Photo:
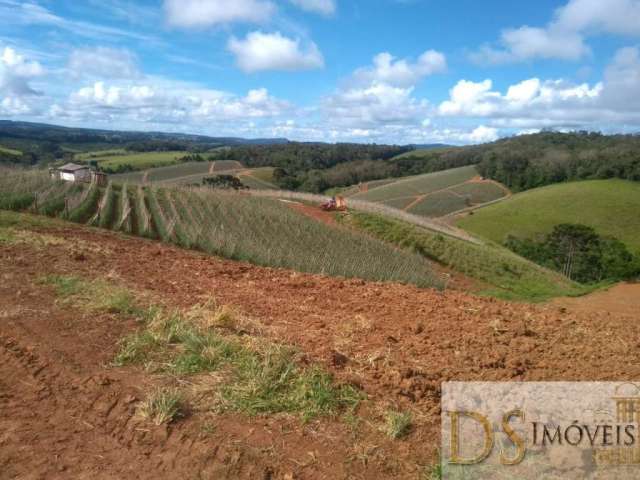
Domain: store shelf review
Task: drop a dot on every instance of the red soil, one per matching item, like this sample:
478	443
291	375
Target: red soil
66	414
314	212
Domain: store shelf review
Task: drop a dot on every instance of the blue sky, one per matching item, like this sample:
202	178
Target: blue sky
396	71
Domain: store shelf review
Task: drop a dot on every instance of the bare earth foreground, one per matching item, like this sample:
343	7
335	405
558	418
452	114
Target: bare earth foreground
65	412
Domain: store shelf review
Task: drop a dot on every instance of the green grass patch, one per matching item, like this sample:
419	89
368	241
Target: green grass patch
162	406
93	295
398	424
609	206
10	151
259	377
139	161
99	154
509	276
9	219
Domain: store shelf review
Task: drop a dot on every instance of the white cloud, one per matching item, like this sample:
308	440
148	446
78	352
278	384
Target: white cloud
377	104
16	71
564	37
481	134
103	62
273	51
324	7
536	103
620	17
14	106
531	99
401	72
205	13
161	101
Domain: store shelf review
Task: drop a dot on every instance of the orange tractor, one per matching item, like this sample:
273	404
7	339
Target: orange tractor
336	204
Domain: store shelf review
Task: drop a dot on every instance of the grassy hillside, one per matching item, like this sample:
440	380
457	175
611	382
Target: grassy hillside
10	151
99	154
258	230
140	161
611	207
259	178
506	274
187	172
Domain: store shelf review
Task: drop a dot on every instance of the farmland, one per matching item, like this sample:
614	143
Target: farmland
258	230
187	172
112	160
258	178
609	206
99	154
226	165
433	194
191	173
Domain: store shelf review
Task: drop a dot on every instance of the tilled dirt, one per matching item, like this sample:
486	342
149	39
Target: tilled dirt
65	413
621	299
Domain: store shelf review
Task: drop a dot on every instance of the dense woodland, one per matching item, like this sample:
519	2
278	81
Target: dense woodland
535	160
579	253
302	166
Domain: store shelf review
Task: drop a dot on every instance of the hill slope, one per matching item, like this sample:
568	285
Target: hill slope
502	273
432	194
611	207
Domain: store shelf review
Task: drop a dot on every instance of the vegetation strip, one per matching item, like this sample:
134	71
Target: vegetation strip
257	377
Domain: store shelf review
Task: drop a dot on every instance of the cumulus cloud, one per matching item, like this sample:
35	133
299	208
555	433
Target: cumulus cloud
16	72
564	37
260	51
324	7
205	13
162	102
377	104
536	103
531	99
401	72
103	62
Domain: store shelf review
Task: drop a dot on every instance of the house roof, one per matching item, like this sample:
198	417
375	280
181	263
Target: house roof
72	167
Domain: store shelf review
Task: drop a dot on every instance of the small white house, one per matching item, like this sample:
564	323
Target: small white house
72	172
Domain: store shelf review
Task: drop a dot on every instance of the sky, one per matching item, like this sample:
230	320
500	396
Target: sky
383	71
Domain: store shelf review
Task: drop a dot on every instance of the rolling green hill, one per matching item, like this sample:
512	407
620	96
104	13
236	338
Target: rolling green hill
611	207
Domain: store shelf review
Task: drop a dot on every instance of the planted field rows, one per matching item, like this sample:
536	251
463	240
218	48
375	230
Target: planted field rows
433	195
193	171
419	185
263	231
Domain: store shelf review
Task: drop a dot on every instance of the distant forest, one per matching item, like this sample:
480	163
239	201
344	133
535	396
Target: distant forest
521	163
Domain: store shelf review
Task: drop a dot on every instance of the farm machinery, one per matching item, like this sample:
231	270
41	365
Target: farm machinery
336	204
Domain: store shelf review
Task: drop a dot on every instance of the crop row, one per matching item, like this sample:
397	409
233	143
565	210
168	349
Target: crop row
263	231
